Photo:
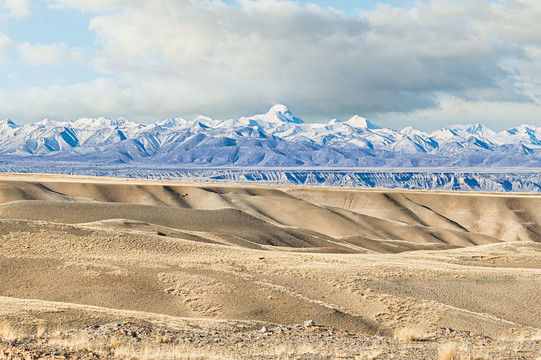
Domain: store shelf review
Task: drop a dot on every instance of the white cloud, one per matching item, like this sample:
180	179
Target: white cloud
178	57
99	97
15	8
5	43
515	21
50	54
497	115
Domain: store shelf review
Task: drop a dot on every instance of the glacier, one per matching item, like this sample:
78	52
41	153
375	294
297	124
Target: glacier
279	148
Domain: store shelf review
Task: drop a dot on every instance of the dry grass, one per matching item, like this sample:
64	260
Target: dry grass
41	330
449	352
120	348
150	351
166	351
452	351
161	348
409	334
286	351
10	332
78	342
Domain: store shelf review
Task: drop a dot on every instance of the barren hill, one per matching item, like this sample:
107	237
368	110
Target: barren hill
370	262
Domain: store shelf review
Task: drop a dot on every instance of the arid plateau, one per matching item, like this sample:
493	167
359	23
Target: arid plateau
120	269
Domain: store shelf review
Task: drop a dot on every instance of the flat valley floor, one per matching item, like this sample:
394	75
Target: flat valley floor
103	268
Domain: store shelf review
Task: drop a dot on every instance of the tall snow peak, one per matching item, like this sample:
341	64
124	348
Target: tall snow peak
280	113
281	108
478	129
360	122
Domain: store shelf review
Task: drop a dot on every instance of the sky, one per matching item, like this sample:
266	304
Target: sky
427	64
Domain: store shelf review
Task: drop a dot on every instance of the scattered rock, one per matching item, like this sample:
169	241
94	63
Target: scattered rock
251	343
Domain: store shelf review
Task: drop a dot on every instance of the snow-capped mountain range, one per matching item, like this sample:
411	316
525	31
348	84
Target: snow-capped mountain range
276	139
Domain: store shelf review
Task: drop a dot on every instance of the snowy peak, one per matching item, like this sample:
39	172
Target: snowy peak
278	108
280	113
360	122
445	134
475	130
409	130
479	129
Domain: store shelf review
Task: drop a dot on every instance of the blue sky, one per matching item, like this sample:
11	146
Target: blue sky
397	62
46	26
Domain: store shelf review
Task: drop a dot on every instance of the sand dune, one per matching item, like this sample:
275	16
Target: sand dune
367	261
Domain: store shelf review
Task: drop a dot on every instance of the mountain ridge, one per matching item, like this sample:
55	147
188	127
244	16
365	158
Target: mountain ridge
274	139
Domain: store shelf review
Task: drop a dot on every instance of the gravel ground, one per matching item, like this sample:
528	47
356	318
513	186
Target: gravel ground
132	341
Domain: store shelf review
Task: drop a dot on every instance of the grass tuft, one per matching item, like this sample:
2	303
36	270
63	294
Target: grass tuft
41	331
409	334
8	332
451	351
448	352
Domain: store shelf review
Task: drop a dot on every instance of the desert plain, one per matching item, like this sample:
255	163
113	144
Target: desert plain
140	269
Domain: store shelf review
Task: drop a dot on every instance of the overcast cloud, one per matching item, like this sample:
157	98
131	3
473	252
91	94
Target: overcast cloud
430	65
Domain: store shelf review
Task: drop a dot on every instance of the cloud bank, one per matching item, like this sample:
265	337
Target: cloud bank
421	66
